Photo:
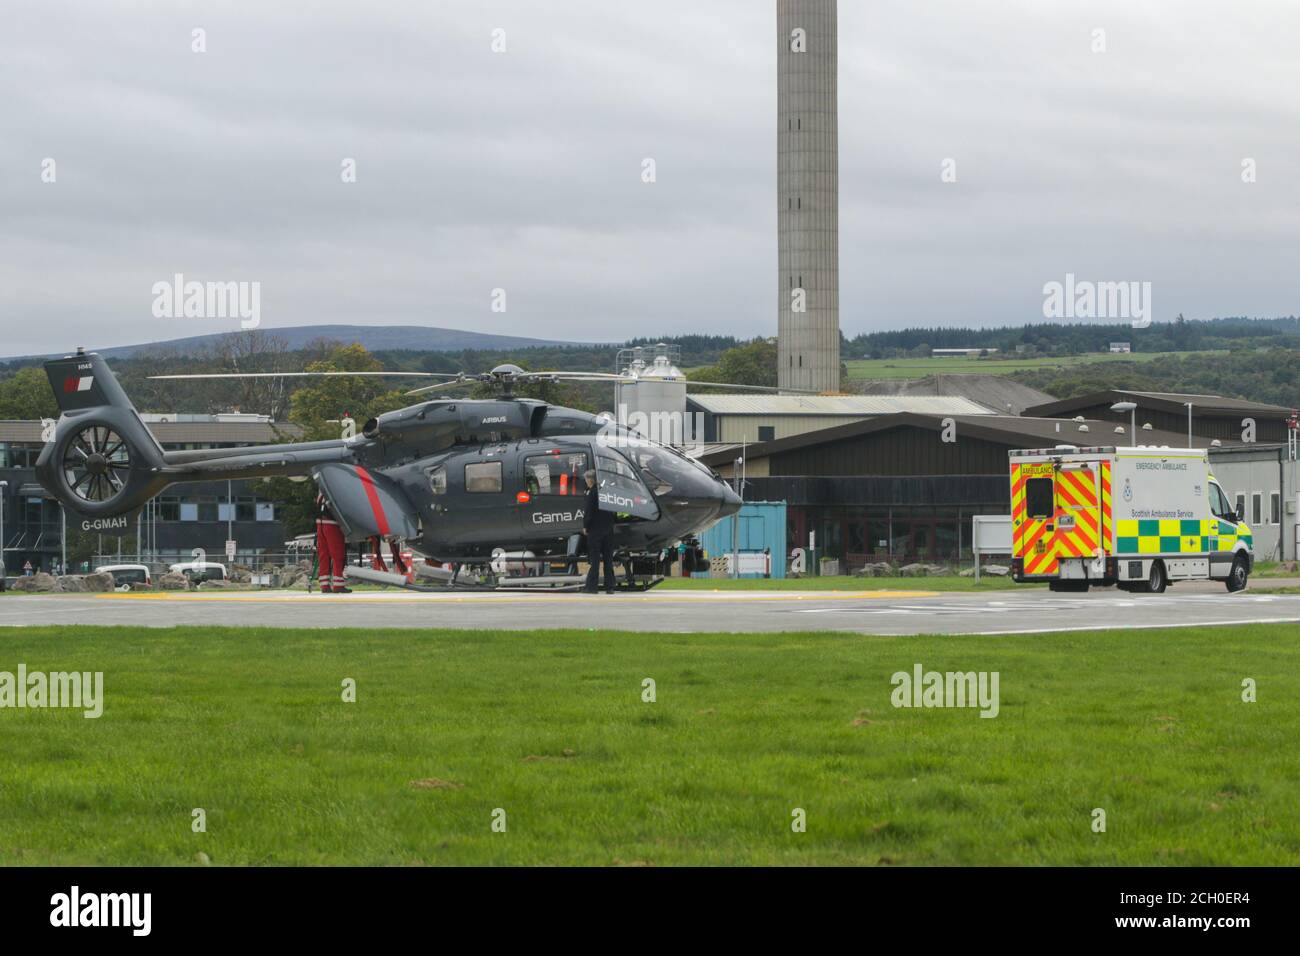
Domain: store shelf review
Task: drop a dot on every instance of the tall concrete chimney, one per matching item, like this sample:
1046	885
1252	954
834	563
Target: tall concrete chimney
808	195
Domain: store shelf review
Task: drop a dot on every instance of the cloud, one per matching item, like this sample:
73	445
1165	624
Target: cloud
521	170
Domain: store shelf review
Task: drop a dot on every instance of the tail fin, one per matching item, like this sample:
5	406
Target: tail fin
84	381
103	463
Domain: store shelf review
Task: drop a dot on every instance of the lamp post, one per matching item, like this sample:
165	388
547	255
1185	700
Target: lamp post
1130	407
3	486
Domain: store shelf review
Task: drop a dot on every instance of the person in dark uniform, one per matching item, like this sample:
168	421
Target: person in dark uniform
598	526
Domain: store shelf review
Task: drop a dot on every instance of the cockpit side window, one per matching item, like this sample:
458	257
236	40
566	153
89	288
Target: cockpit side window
616	466
555	474
656	467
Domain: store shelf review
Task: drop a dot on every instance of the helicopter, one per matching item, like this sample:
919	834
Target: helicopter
492	490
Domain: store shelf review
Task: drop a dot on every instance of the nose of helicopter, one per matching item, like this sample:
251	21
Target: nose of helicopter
730	501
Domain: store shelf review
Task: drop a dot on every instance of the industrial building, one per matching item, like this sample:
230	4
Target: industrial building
202	515
1261	481
903	487
739	419
1211	416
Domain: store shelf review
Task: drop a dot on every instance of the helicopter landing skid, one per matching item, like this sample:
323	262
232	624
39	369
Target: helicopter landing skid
519	585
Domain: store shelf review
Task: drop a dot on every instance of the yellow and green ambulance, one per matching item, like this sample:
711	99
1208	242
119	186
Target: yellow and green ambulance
1139	518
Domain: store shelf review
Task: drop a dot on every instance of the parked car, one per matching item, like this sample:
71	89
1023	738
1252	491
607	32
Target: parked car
200	571
124	575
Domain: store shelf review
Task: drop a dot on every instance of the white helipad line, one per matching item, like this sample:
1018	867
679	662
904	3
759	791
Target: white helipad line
1128	627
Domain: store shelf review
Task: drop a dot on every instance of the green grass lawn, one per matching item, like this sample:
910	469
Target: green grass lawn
844	582
920	367
550	726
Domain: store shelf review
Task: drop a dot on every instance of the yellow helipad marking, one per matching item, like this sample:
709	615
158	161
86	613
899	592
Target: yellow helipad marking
380	597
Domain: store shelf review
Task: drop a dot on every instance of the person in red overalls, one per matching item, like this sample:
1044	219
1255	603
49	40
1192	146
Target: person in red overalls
330	550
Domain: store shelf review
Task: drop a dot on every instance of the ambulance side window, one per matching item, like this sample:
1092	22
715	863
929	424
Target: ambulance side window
1218	503
1038	498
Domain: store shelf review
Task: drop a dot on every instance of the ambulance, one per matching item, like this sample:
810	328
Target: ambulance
1138	518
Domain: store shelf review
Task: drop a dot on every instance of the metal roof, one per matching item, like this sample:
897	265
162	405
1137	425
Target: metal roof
997	393
836	404
1013	431
1169	401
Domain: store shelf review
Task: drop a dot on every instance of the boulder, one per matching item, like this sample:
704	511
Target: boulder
995	570
40	581
140	586
914	570
239	575
174	581
72	583
99	581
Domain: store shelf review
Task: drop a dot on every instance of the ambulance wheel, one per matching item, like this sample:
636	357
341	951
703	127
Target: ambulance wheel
1237	576
1156	581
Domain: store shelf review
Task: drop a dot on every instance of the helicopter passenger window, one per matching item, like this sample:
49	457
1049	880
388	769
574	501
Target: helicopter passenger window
483	477
555	474
438	480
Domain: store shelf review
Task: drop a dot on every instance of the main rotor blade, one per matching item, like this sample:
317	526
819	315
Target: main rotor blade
307	375
442	385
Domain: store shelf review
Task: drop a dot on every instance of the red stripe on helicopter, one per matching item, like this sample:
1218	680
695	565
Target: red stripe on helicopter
372	495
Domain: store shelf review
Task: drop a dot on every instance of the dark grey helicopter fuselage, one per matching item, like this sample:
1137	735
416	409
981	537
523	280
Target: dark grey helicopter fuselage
454	479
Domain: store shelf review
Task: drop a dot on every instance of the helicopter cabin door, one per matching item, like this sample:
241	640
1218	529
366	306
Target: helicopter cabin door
479	500
551	492
621	491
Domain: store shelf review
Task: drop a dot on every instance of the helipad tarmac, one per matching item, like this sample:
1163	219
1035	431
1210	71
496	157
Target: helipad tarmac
891	612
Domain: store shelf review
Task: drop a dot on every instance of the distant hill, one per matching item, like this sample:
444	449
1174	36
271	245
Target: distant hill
415	338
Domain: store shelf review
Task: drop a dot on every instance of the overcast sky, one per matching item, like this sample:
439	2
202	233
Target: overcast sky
522	170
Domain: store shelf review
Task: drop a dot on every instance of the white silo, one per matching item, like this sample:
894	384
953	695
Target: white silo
651	399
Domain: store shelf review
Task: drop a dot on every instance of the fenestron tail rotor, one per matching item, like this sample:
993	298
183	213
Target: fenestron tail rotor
96	463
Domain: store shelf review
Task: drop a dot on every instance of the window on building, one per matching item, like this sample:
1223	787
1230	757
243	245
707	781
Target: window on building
1240	507
245	510
1275	508
169	509
483	477
265	511
225	511
208	509
766	432
189	509
1256	508
555	474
